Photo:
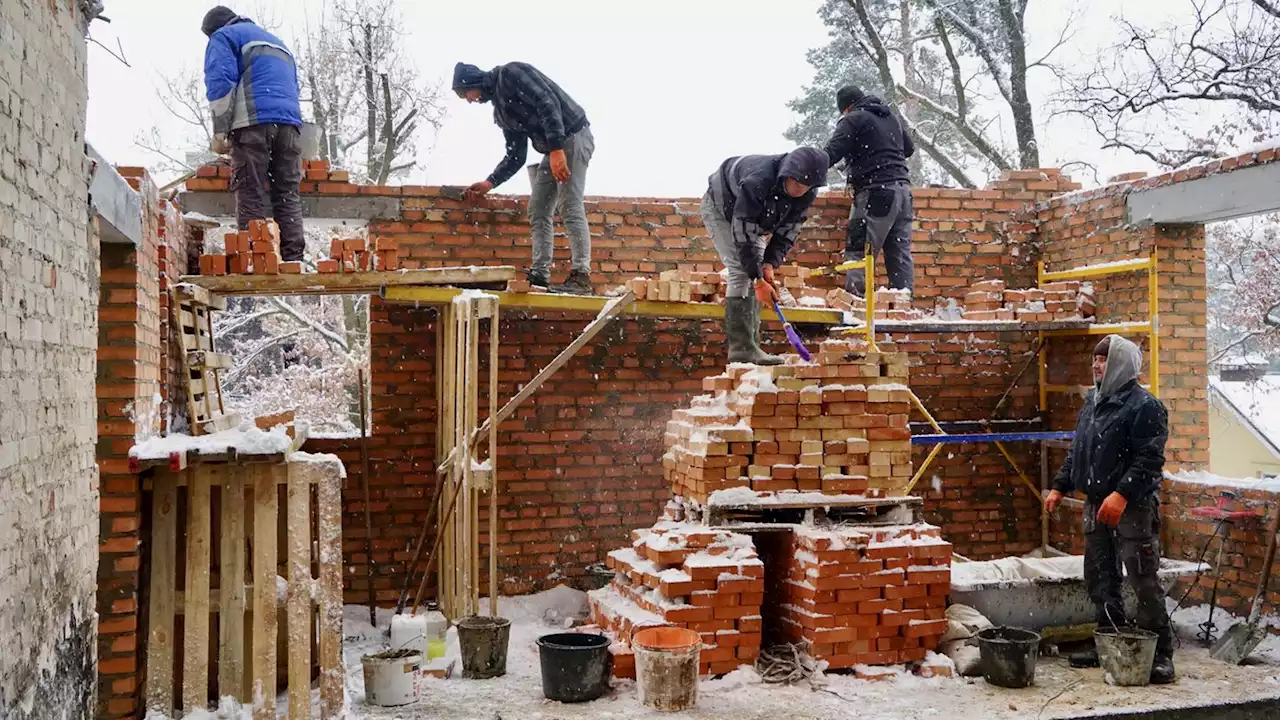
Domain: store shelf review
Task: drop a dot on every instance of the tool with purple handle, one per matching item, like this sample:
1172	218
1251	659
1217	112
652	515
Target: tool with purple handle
792	336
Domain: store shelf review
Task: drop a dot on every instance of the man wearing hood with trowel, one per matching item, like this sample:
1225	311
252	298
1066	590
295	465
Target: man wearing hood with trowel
753	210
1117	461
875	145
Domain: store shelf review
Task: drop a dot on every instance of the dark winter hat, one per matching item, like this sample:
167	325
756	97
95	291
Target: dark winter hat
467	76
847	96
1103	347
806	165
216	19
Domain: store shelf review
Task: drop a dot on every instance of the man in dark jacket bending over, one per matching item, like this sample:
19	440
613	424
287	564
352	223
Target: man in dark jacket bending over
1117	461
873	142
251	82
750	199
529	106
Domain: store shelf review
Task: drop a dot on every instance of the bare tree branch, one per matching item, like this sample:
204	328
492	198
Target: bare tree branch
1268	8
974	137
319	329
242	366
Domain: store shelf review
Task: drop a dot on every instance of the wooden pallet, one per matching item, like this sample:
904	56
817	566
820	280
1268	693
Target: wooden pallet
256	538
193	309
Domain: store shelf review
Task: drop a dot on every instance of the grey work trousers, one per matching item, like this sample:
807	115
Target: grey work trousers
739	284
1132	550
881	217
548	194
266	169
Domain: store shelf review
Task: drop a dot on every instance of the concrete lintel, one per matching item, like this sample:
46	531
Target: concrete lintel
1225	196
373	207
116	204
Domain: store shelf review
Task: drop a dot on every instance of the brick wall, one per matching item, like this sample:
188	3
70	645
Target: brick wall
49	289
129	381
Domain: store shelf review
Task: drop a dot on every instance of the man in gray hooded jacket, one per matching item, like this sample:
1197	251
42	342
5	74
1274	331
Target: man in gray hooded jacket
1117	461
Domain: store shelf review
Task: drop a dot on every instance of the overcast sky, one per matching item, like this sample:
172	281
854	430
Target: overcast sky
672	87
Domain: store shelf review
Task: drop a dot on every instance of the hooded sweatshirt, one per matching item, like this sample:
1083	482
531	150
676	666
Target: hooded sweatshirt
528	106
749	192
873	142
1120	434
250	77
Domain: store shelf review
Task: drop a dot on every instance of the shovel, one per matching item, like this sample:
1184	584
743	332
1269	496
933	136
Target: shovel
792	336
1240	639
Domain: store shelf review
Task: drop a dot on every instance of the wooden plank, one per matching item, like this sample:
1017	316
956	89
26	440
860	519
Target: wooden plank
299	607
349	283
265	508
493	465
220	422
195	639
232	591
161	604
607	314
329	524
447	430
472	390
199	296
209	360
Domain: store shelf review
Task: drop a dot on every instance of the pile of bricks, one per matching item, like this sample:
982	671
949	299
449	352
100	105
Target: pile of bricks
216	177
687	283
256	251
865	595
709	581
1068	300
891	304
359	255
319	171
839	426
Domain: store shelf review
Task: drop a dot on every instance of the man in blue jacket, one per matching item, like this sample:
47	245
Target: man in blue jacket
1117	461
251	82
531	107
875	146
753	210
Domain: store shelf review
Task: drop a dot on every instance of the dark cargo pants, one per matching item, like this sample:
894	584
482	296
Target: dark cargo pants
266	169
882	218
1134	547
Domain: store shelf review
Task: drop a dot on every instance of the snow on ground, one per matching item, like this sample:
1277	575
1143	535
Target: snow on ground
1059	692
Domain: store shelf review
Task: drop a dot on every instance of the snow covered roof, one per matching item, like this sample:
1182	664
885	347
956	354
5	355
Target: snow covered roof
1250	360
1255	403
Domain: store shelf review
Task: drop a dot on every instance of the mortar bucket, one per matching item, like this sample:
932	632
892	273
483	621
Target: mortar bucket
575	666
667	667
1126	655
1009	656
483	641
392	678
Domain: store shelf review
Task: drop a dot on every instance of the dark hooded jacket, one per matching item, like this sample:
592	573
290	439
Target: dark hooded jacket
1120	434
873	141
528	106
749	193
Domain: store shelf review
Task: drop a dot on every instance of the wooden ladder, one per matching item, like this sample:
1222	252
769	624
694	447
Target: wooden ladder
193	309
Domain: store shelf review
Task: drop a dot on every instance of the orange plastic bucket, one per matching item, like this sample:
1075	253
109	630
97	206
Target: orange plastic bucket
667	667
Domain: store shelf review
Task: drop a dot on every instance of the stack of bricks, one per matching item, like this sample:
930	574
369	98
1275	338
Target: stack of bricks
214	177
891	304
358	255
317	176
317	171
839	426
1068	300
687	283
256	251
709	581
864	595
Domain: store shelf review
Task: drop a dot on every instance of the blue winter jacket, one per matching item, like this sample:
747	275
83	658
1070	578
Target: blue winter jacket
250	78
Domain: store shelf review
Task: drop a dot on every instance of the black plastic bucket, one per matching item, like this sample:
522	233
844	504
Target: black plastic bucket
483	641
575	666
1009	656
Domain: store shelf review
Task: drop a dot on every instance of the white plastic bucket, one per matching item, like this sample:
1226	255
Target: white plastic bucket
409	632
392	678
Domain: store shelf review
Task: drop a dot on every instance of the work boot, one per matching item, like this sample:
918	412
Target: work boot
741	323
578	283
1084	658
537	278
1162	670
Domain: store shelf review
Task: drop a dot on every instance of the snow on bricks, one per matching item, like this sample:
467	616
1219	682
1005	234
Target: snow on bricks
836	427
709	581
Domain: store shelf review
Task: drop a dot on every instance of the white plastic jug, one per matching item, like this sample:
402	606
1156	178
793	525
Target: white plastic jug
437	626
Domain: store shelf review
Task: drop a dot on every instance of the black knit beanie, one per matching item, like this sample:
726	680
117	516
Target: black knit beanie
216	19
847	96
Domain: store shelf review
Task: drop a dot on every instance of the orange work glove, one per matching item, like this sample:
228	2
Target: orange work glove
766	293
478	190
1051	501
767	271
1111	510
559	166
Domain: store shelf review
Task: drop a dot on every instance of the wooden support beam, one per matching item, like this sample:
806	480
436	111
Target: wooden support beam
231	591
610	311
298	618
162	603
265	509
364	283
329	527
195	663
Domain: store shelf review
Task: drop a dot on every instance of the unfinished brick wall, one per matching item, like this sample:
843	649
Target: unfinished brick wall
49	286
